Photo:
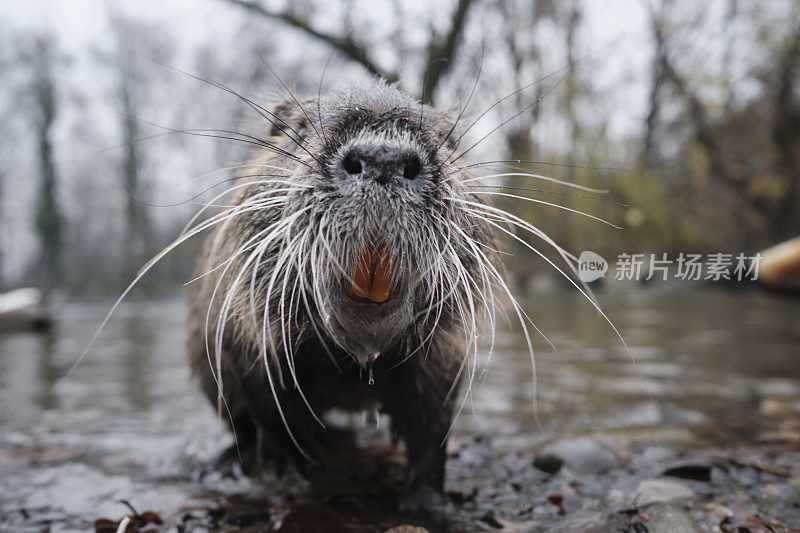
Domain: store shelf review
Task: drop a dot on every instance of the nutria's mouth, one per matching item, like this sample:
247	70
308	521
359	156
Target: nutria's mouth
373	307
371	276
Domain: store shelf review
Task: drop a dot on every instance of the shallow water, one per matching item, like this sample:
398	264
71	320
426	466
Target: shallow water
130	424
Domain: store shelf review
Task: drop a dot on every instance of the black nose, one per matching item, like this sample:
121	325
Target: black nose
382	163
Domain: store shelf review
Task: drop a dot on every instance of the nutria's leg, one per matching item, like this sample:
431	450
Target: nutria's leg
272	440
414	397
233	412
243	449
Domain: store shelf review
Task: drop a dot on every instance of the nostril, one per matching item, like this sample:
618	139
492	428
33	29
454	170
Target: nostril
351	164
412	168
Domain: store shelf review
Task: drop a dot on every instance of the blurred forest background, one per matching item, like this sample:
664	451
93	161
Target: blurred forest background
696	103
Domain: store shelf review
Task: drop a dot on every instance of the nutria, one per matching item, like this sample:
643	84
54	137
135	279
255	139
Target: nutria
351	271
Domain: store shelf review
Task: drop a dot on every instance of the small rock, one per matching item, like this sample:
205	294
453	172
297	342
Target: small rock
557	499
405	528
661	490
668	518
491	520
548	463
690	471
582	456
462	496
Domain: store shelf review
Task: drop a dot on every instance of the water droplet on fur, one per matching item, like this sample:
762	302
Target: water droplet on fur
371	418
371	379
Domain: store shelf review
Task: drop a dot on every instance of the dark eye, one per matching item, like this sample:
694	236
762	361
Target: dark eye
412	168
351	164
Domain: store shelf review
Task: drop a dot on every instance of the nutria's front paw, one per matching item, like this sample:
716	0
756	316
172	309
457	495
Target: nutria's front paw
226	462
283	452
420	497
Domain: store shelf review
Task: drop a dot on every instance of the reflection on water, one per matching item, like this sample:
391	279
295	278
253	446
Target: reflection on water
141	345
703	350
701	354
132	409
138	361
48	373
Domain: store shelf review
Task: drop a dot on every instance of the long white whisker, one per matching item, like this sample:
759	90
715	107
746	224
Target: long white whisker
537	201
532	175
591	300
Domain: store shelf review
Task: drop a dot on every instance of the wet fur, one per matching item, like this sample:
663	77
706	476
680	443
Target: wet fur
261	328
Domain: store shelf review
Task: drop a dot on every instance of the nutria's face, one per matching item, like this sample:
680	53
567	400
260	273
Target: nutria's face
379	193
384	184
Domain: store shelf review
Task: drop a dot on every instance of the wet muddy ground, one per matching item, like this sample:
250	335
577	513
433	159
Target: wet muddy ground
713	444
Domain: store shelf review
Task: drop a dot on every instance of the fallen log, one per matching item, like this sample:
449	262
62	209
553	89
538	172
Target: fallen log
24	309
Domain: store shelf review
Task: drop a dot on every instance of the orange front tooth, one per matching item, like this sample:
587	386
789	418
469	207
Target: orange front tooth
362	274
381	279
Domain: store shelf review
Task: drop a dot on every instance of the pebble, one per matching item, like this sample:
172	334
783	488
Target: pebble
668	518
661	490
582	456
405	528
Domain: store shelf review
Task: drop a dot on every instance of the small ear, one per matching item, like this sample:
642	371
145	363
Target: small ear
285	118
281	118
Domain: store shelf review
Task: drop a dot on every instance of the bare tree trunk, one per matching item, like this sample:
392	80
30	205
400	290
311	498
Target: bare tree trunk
786	134
49	222
656	83
138	225
2	270
135	40
441	52
570	94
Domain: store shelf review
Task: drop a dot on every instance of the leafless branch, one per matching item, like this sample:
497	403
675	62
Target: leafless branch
346	45
440	50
